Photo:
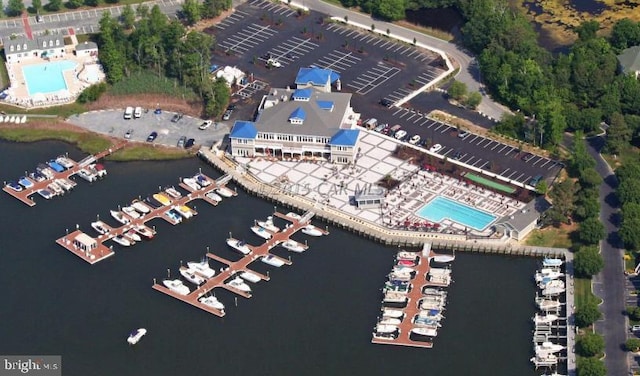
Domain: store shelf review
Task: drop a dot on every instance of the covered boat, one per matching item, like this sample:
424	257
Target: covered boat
239	246
272	260
136	335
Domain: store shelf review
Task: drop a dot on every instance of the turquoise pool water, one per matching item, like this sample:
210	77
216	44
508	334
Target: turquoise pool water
46	78
441	208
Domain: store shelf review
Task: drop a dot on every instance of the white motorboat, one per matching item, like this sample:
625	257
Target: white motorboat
388	336
225	191
404	255
185	211
431	304
551	262
395	297
403	269
434	291
100	227
382	328
272	260
120	217
261	232
132	236
176	286
239	246
66	184
202	268
251	277
86	175
191	183
202	180
65	162
131	212
294	216
55	188
548	304
544	319
394	313
294	246
424	331
554	283
312	230
97	169
140	207
553	291
443	259
400	277
213	196
144	231
389	321
544	360
45	193
268	225
136	335
212	302
548	348
439	271
191	275
444	280
548	274
171	191
121	240
239	284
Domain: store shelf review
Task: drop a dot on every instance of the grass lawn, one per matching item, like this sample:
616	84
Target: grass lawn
550	237
583	292
148	153
628	154
88	142
146	82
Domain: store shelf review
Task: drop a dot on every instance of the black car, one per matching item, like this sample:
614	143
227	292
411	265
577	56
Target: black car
152	136
457	155
190	142
386	102
231	107
176	118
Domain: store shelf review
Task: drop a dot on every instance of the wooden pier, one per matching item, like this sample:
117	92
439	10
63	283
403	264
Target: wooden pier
235	267
25	194
93	249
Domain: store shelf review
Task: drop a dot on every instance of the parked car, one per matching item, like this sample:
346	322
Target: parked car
205	125
457	155
435	148
380	127
190	142
128	134
273	63
635	328
227	115
535	180
152	136
157	111
176	118
386	102
463	133
231	107
181	141
414	139
399	135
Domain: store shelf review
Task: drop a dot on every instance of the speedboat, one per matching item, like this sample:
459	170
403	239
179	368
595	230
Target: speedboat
312	230
140	207
152	202
405	288
144	231
550	262
66	184
389	321
424	332
261	232
131	212
544	319
444	280
400	277
86	175
553	290
202	180
404	255
272	260
212	302
547	304
430	322
36	176
191	276
100	227
403	269
98	170
439	271
164	200
177	286
132	235
45	170
121	240
268	225
427	304
25	182
225	191
443	259
407	263
191	183
395	297
65	162
382	328
239	246
548	347
548	274
57	167
15	186
251	277
551	283
239	284
435	314
434	291
55	188
293	246
213	196
201	268
120	217
395	313
171	191
184	211
544	359
293	216
136	335
173	215
45	193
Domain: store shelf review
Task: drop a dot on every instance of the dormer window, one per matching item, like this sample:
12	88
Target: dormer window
11	48
44	43
50	43
57	42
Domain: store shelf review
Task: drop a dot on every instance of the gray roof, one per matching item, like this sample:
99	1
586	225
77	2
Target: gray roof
317	122
629	60
524	217
43	42
86	46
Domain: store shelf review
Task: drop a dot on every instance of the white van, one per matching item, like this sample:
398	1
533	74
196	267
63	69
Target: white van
137	113
128	113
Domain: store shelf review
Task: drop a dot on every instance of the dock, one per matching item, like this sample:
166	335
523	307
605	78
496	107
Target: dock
25	194
235	267
92	249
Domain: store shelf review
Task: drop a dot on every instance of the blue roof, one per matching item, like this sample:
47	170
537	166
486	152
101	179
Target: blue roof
325	105
334	76
298	113
302	94
315	76
243	129
345	137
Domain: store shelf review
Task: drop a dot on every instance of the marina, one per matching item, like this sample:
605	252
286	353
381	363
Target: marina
233	275
93	250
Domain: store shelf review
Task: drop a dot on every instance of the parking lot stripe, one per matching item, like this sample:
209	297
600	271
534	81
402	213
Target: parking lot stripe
445	129
477	162
503	147
471	140
545	163
399	110
552	165
519	177
438	127
497	144
510	150
468	161
538	160
504	172
511	174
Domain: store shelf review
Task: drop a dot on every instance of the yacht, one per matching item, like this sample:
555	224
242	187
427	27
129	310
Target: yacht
66	184
431	304
136	335
407	263
144	231
294	246
268	225
131	212
202	268
132	235
164	200
57	167
251	277
429	322
202	180
553	290
239	246
191	183
548	347
382	328
191	276
548	274
434	291
239	284
544	360
272	260
312	230
293	216
176	286
404	255
171	191
15	186
551	283
121	240
439	271
547	304
213	196
45	193
225	191
544	319
551	262
424	332
55	188
100	227
65	162
389	321
45	170
443	259
120	217
140	207
25	182
400	277
264	234
403	269
184	211
86	175
212	302
390	312
98	170
37	176
395	297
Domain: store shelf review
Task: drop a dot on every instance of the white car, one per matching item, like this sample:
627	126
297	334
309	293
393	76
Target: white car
205	125
274	63
399	135
414	140
435	148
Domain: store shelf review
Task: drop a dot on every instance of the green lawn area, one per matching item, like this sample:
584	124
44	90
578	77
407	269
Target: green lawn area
147	153
583	292
489	183
145	82
549	237
88	142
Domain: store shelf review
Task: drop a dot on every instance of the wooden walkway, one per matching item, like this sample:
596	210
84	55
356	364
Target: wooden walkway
235	267
25	194
100	251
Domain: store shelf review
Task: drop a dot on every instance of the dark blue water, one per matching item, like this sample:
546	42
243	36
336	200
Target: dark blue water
313	318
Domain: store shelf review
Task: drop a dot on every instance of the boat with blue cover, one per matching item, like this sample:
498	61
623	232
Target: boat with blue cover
15	186
57	167
25	182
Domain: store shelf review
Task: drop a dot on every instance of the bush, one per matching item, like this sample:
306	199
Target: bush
590	344
587	313
591	367
632	344
634	313
92	93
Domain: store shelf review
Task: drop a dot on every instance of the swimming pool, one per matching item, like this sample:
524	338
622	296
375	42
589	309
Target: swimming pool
441	208
46	78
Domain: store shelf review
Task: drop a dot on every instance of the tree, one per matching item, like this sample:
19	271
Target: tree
591	367
590	177
142	10
37	5
618	134
625	33
191	11
562	197
128	17
389	10
73	4
588	261
590	344
591	231
54	5
91	3
632	344
473	100
633	312
15	8
587	30
629	225
587	313
629	191
457	90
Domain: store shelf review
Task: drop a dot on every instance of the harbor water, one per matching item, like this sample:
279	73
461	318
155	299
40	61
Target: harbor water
314	317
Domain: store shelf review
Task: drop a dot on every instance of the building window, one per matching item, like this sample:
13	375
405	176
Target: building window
57	42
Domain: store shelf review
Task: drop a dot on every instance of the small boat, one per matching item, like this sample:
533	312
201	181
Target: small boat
395	297
400	288
400	277
140	207
55	188
15	186
548	348
121	240
407	263
66	184
268	225
389	336
171	191
548	304
544	359
424	332
184	211
294	246
213	196
434	291
132	235
201	268
177	286
65	162
45	193
98	170
544	319
261	232
173	215
293	216
100	227
551	283
431	304
86	175
553	291
239	246
550	262
56	166
212	302
36	176
225	192
25	182
144	231
382	328
430	322
45	170
191	276
435	314
395	313
272	260
152	202
202	180
191	183
404	255
131	212
548	274
403	269
239	284
312	230
443	259
119	216
443	280
136	335
164	200
389	321
251	277
439	271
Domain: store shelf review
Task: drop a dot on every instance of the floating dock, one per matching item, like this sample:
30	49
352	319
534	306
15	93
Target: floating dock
25	194
93	250
236	267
